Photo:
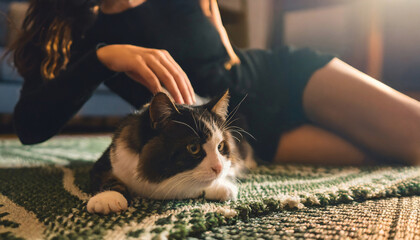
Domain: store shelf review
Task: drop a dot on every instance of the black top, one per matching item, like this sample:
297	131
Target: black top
177	26
180	27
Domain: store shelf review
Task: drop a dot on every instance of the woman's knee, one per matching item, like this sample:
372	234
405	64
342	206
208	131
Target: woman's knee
310	144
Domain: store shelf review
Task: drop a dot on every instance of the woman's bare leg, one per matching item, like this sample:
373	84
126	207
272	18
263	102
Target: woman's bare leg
310	144
365	111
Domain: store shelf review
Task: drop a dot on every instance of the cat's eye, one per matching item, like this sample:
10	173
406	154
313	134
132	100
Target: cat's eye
221	146
194	148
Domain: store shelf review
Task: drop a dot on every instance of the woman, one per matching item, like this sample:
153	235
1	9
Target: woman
301	106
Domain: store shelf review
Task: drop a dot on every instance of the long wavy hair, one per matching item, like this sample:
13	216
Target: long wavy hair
48	30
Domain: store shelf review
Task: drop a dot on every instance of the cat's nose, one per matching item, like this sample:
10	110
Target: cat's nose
217	168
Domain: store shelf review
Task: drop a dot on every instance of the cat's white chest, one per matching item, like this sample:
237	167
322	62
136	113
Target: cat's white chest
124	165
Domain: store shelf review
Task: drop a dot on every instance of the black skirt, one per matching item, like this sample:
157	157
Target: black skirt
273	82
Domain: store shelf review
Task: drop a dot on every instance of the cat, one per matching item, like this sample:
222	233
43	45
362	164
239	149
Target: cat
171	151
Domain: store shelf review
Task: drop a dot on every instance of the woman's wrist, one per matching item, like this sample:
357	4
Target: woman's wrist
101	61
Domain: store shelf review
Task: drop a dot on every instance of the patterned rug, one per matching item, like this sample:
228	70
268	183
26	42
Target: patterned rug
44	190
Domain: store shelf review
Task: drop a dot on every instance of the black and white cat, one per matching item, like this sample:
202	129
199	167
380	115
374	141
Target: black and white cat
170	151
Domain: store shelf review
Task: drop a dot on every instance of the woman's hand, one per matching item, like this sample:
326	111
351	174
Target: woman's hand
150	67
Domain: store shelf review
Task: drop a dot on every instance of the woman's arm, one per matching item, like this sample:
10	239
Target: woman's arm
211	10
44	107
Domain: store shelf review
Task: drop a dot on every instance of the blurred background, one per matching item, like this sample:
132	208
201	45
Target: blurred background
379	37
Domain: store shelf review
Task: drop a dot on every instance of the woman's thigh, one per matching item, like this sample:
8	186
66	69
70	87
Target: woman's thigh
314	145
365	111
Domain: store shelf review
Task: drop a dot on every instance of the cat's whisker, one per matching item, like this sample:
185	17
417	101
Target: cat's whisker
237	139
195	121
235	109
237	133
152	194
207	130
229	123
180	180
225	123
237	180
234	130
241	130
249	134
229	119
230	128
200	123
232	112
168	191
195	132
162	187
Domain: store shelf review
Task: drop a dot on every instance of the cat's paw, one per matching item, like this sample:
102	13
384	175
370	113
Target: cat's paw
107	202
222	192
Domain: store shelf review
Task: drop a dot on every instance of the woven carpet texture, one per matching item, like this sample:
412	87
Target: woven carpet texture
44	191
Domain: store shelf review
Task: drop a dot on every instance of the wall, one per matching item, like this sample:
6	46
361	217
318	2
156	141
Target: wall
379	37
341	29
402	44
257	21
260	16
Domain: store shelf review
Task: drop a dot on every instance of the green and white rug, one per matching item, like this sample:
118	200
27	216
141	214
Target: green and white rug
44	191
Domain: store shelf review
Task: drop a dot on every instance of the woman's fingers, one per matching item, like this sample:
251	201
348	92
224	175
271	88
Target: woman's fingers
181	80
180	71
179	76
145	76
166	78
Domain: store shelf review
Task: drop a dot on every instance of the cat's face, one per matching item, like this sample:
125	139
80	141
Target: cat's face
191	143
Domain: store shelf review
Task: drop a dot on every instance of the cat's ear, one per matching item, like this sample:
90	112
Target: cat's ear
160	109
219	105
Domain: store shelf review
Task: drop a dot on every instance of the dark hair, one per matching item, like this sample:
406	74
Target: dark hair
47	33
